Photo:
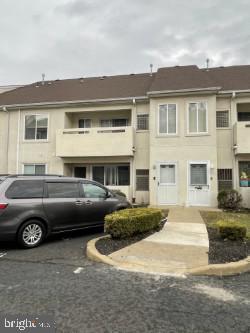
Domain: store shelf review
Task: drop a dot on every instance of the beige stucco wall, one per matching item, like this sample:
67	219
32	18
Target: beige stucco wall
182	147
3	142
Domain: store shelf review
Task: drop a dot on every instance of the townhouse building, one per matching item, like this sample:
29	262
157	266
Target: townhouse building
173	137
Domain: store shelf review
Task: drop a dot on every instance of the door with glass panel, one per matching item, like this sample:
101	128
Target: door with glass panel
199	184
167	184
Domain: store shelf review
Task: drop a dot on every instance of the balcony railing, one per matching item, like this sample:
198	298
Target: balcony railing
241	132
97	141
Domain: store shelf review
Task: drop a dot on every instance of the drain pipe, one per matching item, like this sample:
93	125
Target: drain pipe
18	142
233	120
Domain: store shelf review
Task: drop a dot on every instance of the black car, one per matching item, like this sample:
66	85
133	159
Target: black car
33	207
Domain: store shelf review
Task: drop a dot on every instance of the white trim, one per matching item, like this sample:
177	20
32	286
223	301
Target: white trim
197	120
155	92
158	120
87	101
24	127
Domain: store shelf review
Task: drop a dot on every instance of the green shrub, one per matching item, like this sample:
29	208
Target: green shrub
119	192
130	222
231	230
229	199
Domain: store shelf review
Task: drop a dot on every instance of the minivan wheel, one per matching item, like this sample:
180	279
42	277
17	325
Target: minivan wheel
31	234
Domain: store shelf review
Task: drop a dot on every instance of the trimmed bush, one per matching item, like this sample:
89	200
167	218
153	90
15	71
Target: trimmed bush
119	192
231	230
132	221
230	199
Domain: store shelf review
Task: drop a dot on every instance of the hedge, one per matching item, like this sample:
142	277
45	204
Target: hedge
229	199
231	230
132	221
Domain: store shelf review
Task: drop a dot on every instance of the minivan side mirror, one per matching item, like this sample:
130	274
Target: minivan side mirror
108	195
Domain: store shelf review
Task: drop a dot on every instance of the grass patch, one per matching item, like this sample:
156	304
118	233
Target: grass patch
210	218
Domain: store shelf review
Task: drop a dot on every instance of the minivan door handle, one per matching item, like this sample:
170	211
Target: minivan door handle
79	202
88	202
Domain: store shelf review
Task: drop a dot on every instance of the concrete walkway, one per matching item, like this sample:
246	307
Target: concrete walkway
181	245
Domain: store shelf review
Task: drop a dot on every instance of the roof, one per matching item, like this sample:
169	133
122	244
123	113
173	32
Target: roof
168	79
82	89
231	78
181	78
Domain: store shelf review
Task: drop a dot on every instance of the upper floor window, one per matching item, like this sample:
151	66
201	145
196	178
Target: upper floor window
84	123
167	120
222	119
197	117
114	122
142	121
36	127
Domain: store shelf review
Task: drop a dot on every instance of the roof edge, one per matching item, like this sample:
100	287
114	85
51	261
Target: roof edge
160	92
62	103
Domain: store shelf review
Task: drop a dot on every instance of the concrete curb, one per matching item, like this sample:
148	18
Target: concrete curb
231	268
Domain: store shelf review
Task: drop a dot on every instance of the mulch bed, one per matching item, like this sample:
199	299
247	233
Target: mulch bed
108	245
223	251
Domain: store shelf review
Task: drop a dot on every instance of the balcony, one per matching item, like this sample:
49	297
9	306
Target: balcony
98	141
241	132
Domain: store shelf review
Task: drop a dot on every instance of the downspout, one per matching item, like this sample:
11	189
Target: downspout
7	143
233	118
18	142
134	112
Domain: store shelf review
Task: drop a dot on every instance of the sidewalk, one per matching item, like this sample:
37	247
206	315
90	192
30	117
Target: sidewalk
181	245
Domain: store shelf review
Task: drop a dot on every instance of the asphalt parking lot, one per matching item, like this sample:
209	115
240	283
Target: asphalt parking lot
57	278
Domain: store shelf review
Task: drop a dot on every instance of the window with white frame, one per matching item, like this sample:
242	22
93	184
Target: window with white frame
36	127
222	119
167	120
197	117
84	123
142	122
34	169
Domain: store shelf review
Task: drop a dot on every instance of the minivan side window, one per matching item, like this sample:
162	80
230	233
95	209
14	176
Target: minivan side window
63	190
25	189
93	191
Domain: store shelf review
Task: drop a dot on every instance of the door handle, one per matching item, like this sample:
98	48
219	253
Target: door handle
88	202
79	202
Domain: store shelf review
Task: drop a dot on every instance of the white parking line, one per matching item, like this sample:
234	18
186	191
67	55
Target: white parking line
78	270
2	254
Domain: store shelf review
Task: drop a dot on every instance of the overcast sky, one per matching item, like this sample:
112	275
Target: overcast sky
74	38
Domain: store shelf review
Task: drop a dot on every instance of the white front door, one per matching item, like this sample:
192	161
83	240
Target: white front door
167	184
199	183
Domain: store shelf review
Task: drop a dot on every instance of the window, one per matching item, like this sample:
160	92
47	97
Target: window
113	175
225	179
142	180
25	189
36	127
142	122
94	191
222	119
84	123
198	174
114	122
243	116
244	173
63	190
167	174
167	119
34	169
197	117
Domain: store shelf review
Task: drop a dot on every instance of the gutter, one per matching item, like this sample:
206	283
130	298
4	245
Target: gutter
181	91
234	91
80	102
